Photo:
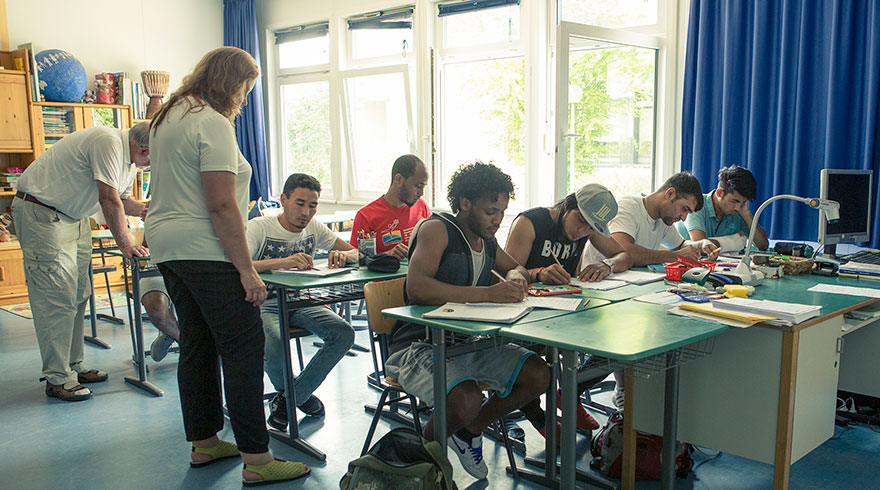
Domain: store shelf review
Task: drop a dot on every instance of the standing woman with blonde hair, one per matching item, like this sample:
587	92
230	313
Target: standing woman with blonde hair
196	231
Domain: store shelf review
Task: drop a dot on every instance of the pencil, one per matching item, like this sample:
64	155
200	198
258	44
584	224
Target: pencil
499	276
716	250
555	258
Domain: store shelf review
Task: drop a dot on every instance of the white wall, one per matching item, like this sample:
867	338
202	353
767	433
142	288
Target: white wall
128	35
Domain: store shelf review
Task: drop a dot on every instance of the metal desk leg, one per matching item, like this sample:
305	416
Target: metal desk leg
569	427
141	380
438	341
291	437
93	339
670	428
549	478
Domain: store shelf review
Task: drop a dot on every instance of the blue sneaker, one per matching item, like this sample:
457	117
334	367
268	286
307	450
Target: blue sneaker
470	454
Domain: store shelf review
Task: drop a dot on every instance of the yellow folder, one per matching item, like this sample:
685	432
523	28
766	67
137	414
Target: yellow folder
726	314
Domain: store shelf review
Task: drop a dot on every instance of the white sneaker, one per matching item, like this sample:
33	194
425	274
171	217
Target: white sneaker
618	397
159	347
471	456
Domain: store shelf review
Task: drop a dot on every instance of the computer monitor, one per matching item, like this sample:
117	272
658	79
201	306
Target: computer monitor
852	189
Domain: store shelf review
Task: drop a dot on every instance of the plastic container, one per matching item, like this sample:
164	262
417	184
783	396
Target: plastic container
676	269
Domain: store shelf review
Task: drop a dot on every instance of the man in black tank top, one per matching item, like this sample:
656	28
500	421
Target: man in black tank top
451	260
550	241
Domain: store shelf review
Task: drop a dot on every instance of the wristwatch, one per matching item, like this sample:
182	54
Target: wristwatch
610	264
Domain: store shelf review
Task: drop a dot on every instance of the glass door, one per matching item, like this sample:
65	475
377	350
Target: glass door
606	115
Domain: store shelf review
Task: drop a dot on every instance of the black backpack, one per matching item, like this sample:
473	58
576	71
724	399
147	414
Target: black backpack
401	460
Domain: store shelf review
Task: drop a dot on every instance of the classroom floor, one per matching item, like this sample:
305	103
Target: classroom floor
126	439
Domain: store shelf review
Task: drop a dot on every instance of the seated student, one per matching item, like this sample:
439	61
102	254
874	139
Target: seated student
725	218
451	258
156	301
540	236
392	217
643	224
291	239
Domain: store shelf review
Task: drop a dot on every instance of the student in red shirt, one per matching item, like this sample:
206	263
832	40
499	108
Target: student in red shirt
392	217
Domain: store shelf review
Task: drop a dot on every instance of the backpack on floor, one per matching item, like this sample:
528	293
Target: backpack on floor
607	450
401	460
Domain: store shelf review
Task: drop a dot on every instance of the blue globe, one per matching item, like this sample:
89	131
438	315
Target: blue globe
62	77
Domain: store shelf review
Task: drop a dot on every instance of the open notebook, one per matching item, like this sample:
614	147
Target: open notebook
321	269
502	312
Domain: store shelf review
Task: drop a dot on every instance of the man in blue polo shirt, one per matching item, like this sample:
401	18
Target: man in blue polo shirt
725	217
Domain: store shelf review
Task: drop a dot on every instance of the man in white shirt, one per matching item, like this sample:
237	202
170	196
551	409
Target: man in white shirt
643	224
291	239
88	170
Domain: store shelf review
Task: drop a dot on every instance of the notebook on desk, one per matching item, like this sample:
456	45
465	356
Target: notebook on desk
319	270
480	312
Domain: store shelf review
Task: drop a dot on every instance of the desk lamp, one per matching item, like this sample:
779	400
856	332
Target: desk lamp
744	269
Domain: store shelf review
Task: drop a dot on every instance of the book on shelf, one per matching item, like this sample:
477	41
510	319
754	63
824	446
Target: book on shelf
33	74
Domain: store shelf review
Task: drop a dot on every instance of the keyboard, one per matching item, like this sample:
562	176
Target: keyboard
865	257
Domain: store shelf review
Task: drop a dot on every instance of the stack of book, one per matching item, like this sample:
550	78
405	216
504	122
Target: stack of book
129	92
56	124
787	312
8	181
860	270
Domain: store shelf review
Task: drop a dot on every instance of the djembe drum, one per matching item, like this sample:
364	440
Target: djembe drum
156	86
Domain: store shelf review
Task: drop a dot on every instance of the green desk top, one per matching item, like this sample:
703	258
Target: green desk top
292	281
793	289
626	330
414	314
625	292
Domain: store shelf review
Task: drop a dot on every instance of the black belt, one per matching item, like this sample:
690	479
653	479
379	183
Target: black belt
28	197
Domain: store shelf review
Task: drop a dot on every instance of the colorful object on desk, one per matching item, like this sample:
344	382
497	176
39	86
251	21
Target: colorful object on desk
692	296
737	291
552	290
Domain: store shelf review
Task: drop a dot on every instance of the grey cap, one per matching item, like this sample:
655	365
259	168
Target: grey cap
598	206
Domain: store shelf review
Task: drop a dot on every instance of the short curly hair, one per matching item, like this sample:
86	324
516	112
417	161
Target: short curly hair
476	180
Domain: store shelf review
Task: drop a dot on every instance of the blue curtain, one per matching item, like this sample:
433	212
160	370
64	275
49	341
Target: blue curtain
784	88
240	30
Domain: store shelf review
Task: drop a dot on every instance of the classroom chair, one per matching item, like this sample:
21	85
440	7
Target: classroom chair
389	294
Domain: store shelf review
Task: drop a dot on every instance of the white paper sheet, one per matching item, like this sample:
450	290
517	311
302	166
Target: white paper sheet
638	277
848	290
603	285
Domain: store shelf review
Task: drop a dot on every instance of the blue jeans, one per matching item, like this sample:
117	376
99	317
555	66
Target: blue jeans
337	334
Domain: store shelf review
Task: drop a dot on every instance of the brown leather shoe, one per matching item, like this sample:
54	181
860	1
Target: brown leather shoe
92	376
74	393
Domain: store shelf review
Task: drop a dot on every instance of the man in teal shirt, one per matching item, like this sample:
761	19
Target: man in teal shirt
725	217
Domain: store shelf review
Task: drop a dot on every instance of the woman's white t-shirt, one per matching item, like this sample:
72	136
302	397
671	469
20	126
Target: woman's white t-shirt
178	225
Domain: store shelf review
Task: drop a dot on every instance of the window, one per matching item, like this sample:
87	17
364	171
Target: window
610	13
304	45
470	23
378	128
381	34
306	136
607	116
482	92
345	119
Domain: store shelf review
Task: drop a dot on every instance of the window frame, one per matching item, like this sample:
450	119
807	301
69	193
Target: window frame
620	37
351	192
483	52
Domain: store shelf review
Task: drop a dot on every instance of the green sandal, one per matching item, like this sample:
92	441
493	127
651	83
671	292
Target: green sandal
222	450
275	471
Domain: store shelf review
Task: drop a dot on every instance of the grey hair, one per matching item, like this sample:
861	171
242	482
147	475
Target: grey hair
139	134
